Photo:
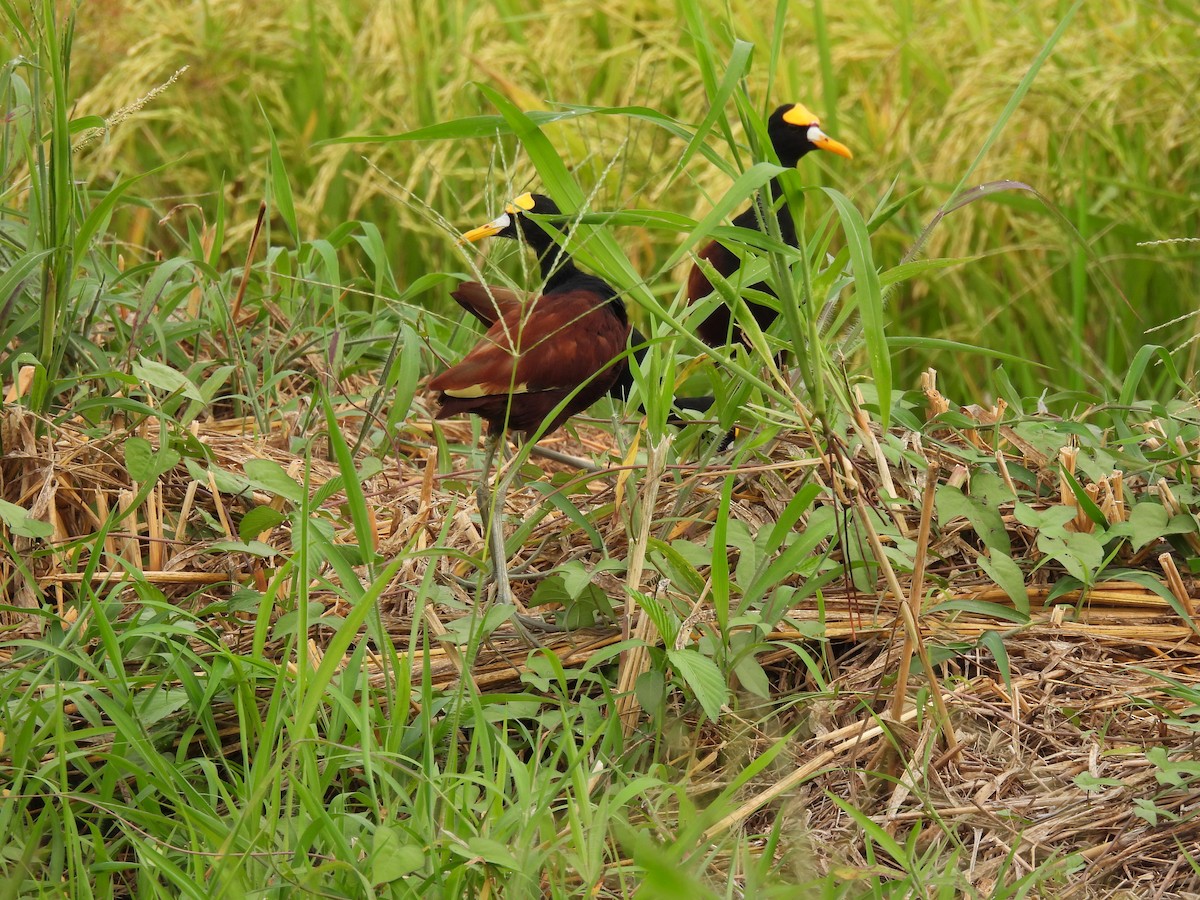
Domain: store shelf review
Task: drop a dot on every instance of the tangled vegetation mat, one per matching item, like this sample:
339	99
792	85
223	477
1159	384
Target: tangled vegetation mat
986	616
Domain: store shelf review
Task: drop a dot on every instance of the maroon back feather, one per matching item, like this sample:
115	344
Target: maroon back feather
486	302
549	346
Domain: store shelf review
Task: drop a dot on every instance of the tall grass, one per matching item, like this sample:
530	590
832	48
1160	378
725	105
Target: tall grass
1106	135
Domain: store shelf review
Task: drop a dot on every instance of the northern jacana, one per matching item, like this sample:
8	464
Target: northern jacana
537	353
487	302
794	132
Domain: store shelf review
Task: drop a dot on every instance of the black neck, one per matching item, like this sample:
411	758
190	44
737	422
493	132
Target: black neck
554	262
558	271
783	215
788	158
556	266
770	197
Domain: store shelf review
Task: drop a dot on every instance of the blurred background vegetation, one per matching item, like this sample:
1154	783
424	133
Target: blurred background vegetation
1109	134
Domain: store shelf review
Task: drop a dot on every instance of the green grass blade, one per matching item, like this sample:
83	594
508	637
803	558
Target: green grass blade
281	190
739	63
1018	95
869	298
941	345
831	94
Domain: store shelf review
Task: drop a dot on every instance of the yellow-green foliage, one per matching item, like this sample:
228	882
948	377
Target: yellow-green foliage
1109	132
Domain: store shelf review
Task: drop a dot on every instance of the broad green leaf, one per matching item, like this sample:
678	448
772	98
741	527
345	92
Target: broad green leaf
20	523
575	577
392	856
580	605
986	520
226	482
139	459
491	851
1171	771
1147	522
704	678
550	590
1144	808
163	377
1088	782
752	676
1053	517
1080	554
994	642
462	629
258	520
651	692
155	705
1008	575
268	475
990	489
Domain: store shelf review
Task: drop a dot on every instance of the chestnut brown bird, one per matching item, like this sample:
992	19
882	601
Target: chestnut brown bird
794	132
485	301
488	302
542	359
537	352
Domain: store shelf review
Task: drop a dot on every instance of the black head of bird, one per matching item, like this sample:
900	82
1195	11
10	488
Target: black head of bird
794	132
514	223
487	302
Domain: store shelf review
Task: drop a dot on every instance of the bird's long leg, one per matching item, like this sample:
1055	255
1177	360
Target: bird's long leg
492	513
578	462
490	444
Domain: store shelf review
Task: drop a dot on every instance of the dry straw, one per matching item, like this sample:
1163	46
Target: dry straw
1086	691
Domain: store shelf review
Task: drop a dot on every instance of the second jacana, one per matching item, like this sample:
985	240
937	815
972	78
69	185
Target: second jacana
794	132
